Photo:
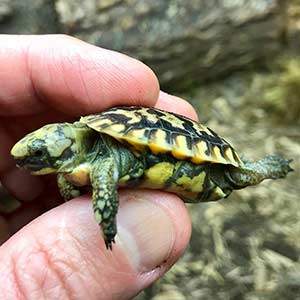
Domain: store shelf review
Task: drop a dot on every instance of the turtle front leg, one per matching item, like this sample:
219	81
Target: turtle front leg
104	178
67	189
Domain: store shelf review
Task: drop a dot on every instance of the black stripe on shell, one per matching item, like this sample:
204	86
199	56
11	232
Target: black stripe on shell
188	128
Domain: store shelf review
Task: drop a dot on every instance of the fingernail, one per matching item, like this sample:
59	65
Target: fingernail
146	232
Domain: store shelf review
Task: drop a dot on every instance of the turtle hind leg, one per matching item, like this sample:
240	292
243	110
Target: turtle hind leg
276	166
105	198
270	167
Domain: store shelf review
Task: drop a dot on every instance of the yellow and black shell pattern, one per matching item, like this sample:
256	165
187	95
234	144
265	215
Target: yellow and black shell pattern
163	132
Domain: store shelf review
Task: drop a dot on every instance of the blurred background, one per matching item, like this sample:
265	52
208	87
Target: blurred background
238	63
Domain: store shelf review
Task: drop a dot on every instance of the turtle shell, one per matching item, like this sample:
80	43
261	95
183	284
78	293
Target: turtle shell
163	132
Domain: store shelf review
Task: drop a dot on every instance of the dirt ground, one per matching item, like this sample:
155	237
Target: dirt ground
247	246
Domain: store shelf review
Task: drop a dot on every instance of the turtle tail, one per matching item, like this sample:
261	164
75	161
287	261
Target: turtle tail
252	173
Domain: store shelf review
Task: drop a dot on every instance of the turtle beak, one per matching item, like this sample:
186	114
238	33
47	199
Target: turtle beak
20	163
29	163
19	152
24	160
20	155
35	167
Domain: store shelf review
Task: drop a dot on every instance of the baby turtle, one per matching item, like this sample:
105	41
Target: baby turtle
139	146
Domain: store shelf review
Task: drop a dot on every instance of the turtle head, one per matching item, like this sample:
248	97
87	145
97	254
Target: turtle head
50	149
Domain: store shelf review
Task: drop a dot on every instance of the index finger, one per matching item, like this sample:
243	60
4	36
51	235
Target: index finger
70	76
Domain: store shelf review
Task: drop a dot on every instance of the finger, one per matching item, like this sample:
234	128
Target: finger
176	104
62	253
4	230
70	76
22	185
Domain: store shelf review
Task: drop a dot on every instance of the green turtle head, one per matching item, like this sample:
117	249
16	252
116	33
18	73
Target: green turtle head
47	150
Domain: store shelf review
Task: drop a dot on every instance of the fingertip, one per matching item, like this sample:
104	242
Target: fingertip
154	229
145	85
179	214
176	105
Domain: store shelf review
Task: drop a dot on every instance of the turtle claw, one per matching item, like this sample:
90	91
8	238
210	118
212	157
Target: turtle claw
108	243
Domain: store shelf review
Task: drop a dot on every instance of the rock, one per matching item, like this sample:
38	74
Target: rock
185	42
28	17
6	10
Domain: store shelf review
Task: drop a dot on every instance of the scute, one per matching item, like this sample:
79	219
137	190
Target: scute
163	132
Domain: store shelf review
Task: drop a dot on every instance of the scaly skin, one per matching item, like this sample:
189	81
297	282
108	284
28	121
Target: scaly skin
271	167
104	180
81	156
67	189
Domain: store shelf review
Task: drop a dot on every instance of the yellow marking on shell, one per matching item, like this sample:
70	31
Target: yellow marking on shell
180	149
203	128
117	127
230	157
194	184
136	134
200	148
173	120
135	138
157	143
177	153
199	153
216	154
156	148
150	117
133	118
80	176
197	160
157	175
96	120
99	124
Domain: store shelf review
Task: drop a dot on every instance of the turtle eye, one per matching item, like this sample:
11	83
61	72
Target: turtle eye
38	153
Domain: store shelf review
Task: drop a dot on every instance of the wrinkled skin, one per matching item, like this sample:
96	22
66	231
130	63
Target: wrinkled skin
57	78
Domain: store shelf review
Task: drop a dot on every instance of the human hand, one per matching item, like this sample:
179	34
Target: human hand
61	254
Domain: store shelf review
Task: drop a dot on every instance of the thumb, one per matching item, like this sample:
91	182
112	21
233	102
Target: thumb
61	254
